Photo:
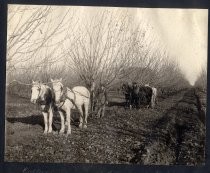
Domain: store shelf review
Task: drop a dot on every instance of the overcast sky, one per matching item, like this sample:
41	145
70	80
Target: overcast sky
184	32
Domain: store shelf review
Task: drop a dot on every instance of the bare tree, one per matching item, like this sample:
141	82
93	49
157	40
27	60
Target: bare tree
103	48
35	37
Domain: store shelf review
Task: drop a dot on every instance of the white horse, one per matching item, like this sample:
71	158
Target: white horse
154	95
43	95
76	97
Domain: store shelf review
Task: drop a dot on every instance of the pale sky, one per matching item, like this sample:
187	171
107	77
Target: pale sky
183	32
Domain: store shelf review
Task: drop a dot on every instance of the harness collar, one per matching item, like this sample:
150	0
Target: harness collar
60	104
64	97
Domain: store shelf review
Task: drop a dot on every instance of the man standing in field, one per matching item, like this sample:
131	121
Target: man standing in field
101	100
92	94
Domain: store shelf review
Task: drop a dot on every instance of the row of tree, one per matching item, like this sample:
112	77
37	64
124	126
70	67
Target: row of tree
107	48
201	82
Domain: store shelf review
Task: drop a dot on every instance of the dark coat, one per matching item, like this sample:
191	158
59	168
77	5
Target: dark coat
135	95
127	89
101	97
145	95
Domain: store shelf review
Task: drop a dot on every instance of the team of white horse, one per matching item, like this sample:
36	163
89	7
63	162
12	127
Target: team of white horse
77	97
64	99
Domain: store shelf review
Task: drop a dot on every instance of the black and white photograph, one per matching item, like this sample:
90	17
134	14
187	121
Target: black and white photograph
106	85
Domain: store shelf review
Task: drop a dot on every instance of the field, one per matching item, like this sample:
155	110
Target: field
171	133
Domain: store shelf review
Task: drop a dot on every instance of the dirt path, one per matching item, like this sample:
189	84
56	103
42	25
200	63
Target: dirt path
146	136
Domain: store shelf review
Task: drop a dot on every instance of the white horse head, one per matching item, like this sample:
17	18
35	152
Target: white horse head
35	91
57	88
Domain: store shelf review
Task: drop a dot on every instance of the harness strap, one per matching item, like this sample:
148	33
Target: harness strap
62	100
64	97
59	105
79	93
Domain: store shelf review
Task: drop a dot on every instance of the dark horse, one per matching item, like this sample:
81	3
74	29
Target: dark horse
137	95
127	91
145	96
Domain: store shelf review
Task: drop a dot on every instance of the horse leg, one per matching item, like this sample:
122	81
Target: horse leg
50	120
92	103
68	120
45	115
156	101
152	102
130	103
86	114
81	116
103	110
62	122
99	112
137	103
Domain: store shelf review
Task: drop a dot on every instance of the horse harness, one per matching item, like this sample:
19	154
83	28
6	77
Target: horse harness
64	97
46	100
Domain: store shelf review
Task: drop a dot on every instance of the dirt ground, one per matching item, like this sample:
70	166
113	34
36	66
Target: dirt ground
171	133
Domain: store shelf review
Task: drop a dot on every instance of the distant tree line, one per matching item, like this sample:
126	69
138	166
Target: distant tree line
106	49
201	82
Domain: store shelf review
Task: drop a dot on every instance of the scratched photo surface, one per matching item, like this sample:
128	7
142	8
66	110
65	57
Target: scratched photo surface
106	85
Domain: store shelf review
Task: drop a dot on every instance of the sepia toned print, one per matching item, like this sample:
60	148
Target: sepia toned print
106	85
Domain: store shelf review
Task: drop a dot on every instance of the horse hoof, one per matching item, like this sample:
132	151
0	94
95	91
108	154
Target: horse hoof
54	133
85	126
61	132
68	133
80	125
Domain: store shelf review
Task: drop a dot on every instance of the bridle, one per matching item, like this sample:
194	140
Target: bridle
61	87
62	93
63	97
39	89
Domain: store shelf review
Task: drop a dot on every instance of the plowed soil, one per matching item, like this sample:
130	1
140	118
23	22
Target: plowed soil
171	133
